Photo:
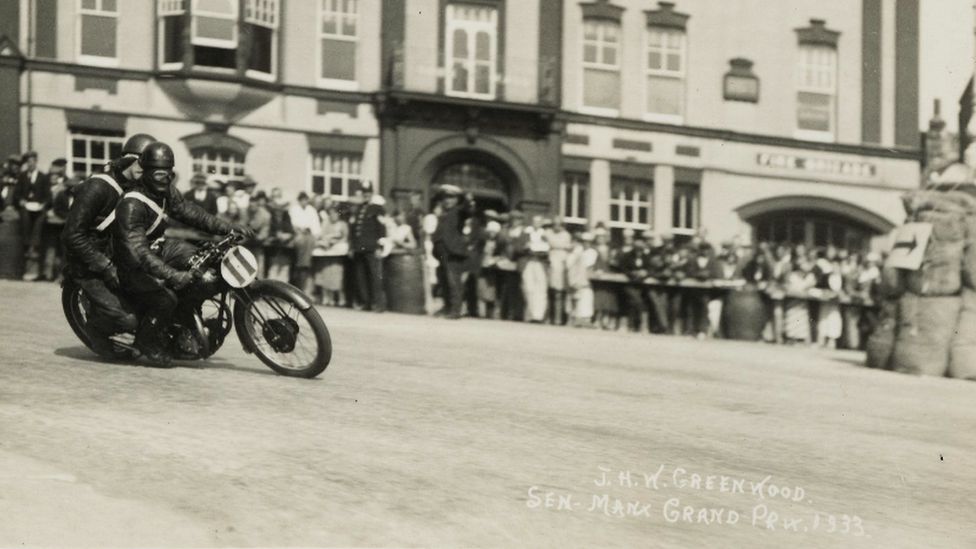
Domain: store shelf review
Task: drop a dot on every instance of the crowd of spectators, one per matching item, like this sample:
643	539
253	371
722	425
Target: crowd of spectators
516	267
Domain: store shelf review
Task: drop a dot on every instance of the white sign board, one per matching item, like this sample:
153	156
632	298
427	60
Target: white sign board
909	248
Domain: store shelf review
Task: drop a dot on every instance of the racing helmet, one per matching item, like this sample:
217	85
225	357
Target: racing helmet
136	144
157	160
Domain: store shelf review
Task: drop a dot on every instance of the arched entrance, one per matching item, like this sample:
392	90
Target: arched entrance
814	222
491	180
489	190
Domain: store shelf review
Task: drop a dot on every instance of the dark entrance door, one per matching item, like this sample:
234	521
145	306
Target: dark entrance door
490	191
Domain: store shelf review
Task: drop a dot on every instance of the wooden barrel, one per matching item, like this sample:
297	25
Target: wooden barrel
744	314
11	246
403	278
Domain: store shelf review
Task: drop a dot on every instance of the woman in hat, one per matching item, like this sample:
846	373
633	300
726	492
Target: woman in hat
331	251
307	226
560	242
535	279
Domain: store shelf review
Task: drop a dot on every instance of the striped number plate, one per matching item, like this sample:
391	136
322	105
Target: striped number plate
239	267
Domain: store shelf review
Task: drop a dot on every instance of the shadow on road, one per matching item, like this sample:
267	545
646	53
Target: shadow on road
82	353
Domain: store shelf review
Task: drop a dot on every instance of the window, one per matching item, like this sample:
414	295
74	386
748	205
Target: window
218	162
601	65
665	72
171	23
98	22
214	33
816	92
261	18
572	198
338	42
812	229
336	174
471	50
686	208
630	203
89	151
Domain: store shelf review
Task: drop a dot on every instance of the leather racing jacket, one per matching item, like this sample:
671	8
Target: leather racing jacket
85	235
140	218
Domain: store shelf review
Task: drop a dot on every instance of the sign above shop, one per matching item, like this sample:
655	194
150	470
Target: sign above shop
816	165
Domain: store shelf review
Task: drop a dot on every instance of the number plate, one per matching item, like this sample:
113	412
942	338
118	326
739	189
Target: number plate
239	267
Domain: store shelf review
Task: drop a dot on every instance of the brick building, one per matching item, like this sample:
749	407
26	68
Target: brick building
797	122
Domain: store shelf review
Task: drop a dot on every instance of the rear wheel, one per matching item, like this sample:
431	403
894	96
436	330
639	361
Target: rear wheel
290	340
76	307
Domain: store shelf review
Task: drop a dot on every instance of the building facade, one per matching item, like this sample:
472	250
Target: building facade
796	122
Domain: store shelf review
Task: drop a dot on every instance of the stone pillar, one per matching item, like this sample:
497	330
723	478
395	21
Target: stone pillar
599	206
663	198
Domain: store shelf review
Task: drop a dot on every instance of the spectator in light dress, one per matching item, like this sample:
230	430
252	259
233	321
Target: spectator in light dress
331	251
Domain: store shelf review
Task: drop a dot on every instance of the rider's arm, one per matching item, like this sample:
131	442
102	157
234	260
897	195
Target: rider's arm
90	199
132	220
191	214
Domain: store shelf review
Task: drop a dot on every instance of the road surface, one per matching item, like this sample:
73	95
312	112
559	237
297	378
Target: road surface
428	432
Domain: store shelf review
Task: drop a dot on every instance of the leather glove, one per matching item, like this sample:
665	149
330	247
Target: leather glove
111	277
181	280
244	231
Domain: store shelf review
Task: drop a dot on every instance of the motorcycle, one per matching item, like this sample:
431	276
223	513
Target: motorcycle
273	320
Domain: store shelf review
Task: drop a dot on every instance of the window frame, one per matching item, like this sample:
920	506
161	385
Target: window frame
695	224
681	75
232	154
574	181
347	175
633	203
274	26
590	65
337	83
831	91
99	11
196	12
472	28
89	136
164	9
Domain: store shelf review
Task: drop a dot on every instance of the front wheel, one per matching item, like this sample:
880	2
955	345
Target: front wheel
289	336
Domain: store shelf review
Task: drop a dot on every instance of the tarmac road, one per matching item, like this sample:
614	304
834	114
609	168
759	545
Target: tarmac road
428	432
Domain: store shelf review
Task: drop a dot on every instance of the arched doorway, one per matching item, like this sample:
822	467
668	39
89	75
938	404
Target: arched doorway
491	180
489	189
814	222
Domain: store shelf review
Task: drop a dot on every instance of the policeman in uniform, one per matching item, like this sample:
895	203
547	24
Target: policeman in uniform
86	242
366	229
152	271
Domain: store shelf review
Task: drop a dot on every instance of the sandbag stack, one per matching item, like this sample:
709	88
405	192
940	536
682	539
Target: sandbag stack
934	327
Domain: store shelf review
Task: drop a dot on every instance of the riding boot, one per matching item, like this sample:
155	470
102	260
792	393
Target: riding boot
150	340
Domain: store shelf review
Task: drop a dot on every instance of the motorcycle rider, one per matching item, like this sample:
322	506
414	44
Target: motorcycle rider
153	269
86	241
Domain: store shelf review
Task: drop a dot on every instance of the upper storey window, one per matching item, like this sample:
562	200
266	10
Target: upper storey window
471	50
665	72
98	22
338	42
666	63
816	83
220	37
601	64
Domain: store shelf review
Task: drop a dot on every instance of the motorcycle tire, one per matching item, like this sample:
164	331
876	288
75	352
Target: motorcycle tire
323	355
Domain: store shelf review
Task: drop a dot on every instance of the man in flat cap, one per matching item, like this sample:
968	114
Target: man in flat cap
366	228
32	198
451	245
52	252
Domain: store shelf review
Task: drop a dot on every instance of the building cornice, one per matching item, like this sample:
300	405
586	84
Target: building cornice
740	137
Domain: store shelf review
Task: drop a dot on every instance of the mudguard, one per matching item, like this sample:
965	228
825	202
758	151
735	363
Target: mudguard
270	287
